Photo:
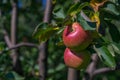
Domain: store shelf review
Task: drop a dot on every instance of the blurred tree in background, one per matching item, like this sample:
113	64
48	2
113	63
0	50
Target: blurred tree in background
25	19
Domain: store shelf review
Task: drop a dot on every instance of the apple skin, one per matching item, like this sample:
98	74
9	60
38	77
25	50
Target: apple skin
76	38
75	60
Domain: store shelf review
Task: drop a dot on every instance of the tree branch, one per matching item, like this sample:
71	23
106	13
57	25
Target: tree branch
42	59
24	44
105	70
90	69
48	11
73	74
93	64
13	22
6	38
14	54
102	70
20	45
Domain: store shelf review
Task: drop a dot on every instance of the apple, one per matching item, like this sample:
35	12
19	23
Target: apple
75	60
76	38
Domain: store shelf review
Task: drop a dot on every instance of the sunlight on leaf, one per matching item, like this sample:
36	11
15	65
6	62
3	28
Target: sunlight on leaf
45	34
44	31
95	18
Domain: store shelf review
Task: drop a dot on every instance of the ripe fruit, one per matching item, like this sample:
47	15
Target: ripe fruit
76	38
77	61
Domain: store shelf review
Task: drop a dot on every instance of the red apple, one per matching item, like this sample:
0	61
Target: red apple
76	38
77	61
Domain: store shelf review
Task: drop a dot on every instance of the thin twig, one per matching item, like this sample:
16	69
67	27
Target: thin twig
20	45
102	70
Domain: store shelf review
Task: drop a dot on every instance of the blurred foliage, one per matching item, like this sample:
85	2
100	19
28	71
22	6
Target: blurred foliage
31	28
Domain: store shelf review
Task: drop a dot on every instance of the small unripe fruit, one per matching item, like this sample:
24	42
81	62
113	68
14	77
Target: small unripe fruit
76	38
75	60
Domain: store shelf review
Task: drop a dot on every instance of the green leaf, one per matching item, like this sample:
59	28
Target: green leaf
39	26
111	50
114	32
73	8
60	67
58	12
17	77
44	31
116	47
112	9
76	8
85	24
2	44
105	56
60	43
